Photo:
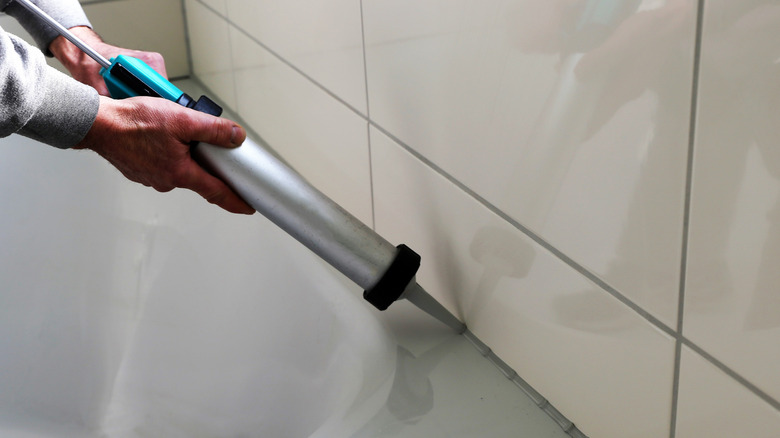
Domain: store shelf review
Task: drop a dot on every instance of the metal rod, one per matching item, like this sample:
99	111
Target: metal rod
105	63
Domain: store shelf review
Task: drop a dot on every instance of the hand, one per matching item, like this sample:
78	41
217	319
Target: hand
85	69
148	140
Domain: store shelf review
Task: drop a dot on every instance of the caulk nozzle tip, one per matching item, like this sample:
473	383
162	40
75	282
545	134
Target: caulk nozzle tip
423	300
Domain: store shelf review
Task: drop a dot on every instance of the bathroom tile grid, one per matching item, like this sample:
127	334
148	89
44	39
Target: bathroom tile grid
680	339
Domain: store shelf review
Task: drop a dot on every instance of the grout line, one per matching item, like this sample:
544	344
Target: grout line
730	373
365	61
686	217
187	41
675	388
368	117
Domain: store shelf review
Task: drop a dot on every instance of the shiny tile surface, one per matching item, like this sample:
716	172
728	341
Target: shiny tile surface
212	61
571	119
519	299
711	404
732	304
318	136
322	38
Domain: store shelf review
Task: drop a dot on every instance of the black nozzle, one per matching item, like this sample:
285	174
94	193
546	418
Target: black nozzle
204	104
394	281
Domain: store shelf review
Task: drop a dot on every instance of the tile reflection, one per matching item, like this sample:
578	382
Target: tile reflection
736	169
502	253
764	310
571	30
607	65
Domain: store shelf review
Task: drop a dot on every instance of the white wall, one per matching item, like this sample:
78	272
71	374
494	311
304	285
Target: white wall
153	25
538	155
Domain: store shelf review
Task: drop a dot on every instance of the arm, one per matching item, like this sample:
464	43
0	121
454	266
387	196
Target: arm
38	101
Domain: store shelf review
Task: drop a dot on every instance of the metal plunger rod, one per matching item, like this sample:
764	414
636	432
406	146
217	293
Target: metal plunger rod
105	63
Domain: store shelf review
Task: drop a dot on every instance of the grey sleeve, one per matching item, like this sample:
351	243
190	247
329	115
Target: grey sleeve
67	12
38	101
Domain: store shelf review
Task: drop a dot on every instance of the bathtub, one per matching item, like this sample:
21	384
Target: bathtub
129	313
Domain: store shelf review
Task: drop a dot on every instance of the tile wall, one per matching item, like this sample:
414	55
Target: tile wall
590	183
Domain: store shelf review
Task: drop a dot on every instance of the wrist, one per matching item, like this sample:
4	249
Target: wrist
108	115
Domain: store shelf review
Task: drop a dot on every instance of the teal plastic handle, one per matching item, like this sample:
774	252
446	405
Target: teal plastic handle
130	77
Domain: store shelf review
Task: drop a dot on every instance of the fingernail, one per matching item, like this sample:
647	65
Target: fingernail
237	136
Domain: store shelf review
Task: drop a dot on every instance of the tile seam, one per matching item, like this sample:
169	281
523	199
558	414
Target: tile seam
773	402
367	118
686	217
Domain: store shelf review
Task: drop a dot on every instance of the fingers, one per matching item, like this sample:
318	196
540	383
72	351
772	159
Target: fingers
156	61
148	140
214	130
212	189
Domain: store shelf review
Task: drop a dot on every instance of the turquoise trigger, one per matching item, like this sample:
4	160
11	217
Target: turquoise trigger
130	77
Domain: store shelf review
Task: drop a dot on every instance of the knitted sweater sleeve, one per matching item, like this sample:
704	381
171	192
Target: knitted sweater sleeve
67	12
38	101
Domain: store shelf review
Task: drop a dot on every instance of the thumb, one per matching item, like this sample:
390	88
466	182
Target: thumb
216	130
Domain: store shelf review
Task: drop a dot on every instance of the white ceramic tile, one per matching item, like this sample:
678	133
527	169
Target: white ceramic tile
609	374
571	119
211	54
317	135
323	38
732	307
153	25
712	404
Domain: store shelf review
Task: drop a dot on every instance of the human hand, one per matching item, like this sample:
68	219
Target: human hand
148	140
85	69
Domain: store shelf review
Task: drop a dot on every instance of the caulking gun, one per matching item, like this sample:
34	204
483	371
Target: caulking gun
385	272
